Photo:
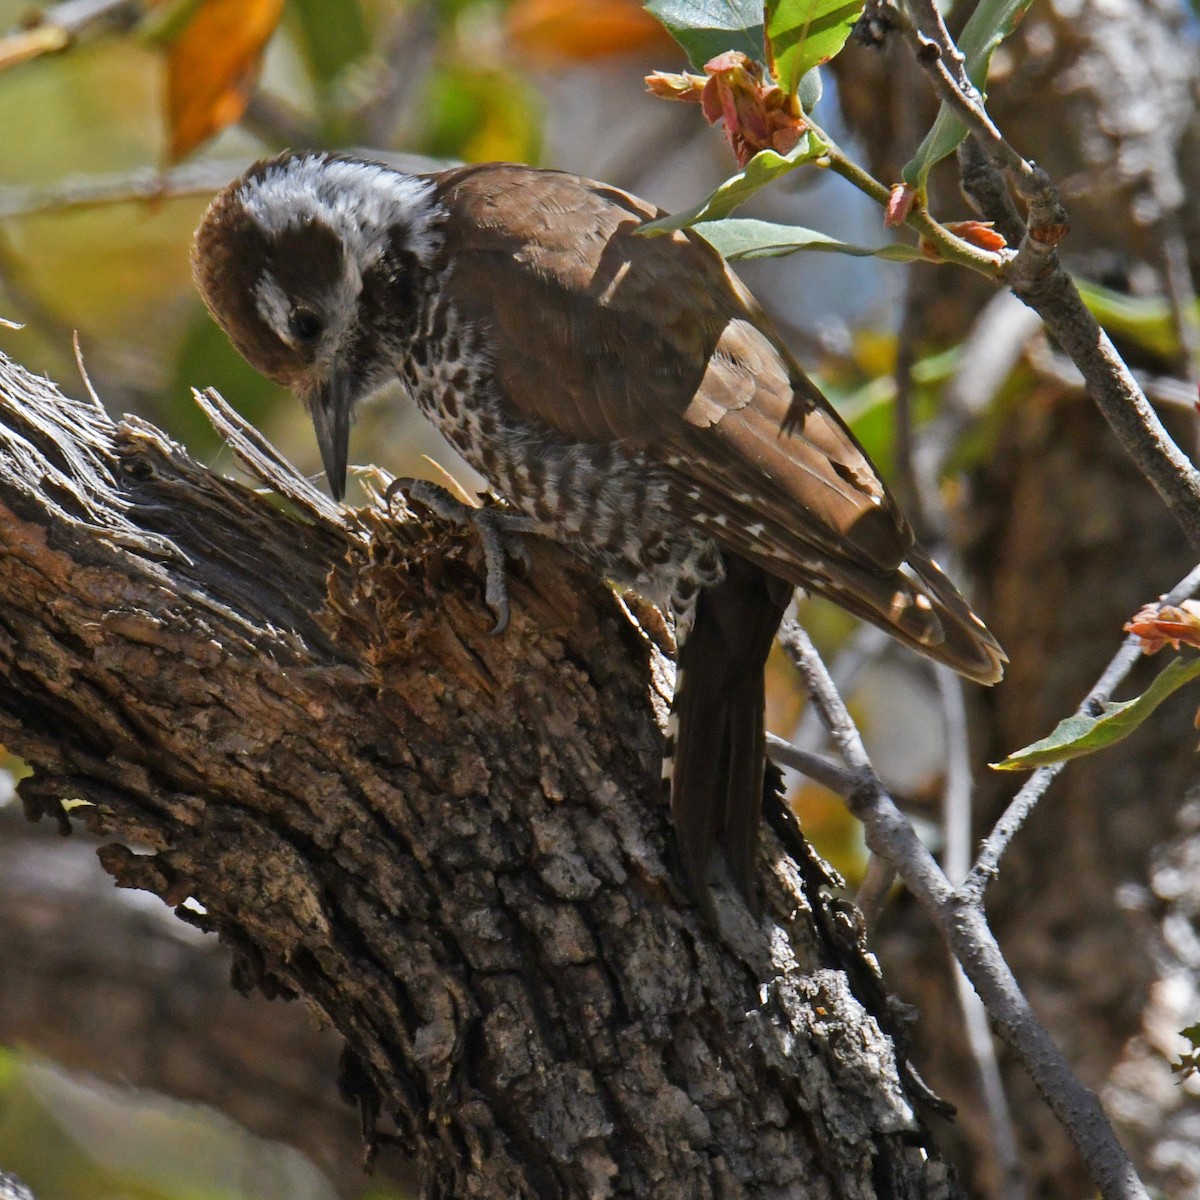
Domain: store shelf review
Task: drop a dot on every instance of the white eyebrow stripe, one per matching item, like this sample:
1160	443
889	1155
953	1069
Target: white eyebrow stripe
274	307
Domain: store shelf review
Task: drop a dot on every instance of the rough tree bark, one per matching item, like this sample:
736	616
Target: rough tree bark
454	846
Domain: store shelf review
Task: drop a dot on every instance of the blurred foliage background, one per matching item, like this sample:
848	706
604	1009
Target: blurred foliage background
122	118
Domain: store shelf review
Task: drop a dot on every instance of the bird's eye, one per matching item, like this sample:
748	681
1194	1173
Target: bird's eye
305	326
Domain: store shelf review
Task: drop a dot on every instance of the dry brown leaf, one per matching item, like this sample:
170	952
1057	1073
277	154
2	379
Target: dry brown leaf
978	233
1167	625
212	67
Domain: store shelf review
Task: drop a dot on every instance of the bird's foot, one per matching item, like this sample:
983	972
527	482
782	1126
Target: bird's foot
498	531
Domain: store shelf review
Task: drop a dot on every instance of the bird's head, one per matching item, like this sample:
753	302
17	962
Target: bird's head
312	264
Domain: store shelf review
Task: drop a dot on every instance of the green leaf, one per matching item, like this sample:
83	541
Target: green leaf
762	169
479	114
802	34
706	28
989	25
739	237
1079	735
331	36
1189	1064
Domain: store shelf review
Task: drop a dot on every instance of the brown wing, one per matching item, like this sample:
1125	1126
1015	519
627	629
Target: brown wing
603	335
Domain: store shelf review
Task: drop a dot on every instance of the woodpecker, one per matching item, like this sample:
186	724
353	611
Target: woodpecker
624	394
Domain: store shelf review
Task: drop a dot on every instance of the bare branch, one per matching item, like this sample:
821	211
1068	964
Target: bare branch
1160	389
957	811
77	15
942	59
1181	292
152	184
1037	277
964	928
1117	394
828	774
55	29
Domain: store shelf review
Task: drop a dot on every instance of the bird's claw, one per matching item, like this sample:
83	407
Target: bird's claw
491	538
495	528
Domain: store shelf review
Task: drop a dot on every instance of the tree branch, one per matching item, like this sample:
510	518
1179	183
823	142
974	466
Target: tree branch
1038	278
454	846
964	928
987	861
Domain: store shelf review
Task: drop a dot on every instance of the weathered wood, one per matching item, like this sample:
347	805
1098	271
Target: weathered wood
454	846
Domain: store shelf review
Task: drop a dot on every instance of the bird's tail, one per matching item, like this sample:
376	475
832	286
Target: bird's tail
719	753
919	606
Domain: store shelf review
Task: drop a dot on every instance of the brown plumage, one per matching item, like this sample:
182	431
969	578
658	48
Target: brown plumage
603	335
625	392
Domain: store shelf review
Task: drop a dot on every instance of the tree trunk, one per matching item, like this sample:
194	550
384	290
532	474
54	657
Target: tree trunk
452	845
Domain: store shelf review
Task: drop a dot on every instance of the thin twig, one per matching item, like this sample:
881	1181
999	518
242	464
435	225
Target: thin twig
909	489
938	54
1011	1183
991	350
956	822
949	247
57	29
984	186
276	122
876	886
987	863
401	65
828	774
1116	393
965	930
75	16
989	353
1037	277
958	786
936	51
148	183
863	648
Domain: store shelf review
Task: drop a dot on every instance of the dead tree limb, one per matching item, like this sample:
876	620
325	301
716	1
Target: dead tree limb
295	728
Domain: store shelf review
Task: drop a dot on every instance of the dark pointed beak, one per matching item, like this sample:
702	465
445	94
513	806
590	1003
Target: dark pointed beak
330	409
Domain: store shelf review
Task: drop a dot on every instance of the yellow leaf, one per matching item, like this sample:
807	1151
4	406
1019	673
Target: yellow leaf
212	67
582	30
